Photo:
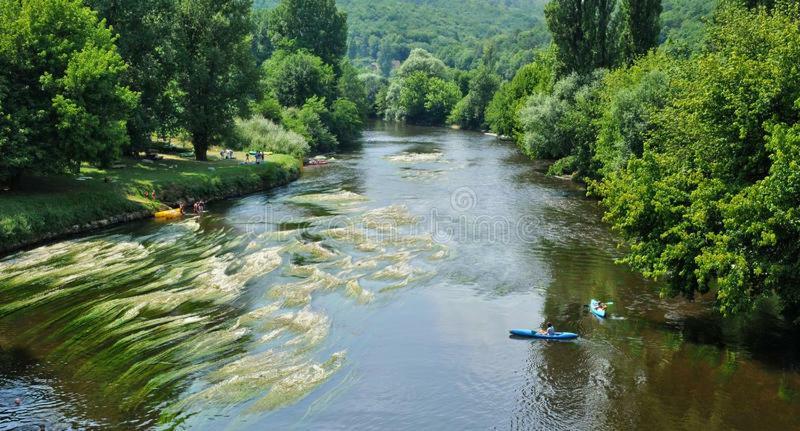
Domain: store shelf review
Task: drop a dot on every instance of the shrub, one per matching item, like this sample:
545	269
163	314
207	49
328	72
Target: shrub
308	122
261	134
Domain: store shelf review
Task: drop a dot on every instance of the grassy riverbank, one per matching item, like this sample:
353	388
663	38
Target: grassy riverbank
48	207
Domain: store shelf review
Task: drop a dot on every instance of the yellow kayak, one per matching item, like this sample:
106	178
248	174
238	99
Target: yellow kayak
174	213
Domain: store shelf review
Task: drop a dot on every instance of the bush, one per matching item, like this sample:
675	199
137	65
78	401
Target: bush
268	107
565	166
308	122
261	134
344	121
563	123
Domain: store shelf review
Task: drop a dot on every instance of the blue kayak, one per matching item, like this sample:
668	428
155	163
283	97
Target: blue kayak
535	334
596	311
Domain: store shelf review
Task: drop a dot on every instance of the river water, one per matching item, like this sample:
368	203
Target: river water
377	293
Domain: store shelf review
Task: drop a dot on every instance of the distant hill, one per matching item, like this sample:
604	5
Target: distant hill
461	32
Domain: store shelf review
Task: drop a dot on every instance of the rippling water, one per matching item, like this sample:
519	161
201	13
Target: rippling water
376	293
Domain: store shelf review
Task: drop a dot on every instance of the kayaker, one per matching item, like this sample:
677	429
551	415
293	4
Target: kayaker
550	331
601	306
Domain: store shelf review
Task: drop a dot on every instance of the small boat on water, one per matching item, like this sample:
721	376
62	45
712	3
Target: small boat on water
168	214
594	308
315	162
529	333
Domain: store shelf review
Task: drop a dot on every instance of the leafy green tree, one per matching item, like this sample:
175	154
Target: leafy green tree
315	25
62	100
469	112
405	98
629	98
216	70
145	43
345	121
641	27
756	252
261	44
440	99
502	113
294	77
267	106
421	99
422	91
351	87
423	61
545	120
375	85
585	33
308	121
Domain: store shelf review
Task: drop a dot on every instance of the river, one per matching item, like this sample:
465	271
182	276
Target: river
376	293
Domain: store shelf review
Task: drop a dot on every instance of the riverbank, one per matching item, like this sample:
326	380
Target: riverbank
47	208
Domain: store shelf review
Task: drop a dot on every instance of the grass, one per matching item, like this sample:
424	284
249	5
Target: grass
45	207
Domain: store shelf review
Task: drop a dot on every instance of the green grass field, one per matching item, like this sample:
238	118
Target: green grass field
53	205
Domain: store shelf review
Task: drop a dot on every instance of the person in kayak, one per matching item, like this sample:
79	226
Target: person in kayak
601	306
550	331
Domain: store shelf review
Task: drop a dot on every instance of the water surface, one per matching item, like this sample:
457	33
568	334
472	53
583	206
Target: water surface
376	293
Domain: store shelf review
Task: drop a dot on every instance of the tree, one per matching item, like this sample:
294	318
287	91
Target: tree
629	98
145	43
502	113
216	70
315	25
545	120
294	77
585	33
309	121
421	99
423	61
351	87
345	121
440	98
62	101
469	112
641	27
261	44
375	85
422	90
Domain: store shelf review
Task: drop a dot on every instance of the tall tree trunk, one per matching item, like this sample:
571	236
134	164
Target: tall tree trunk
200	143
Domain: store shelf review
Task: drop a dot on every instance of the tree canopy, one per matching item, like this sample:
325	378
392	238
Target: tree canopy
591	34
62	97
296	76
216	70
145	30
315	25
